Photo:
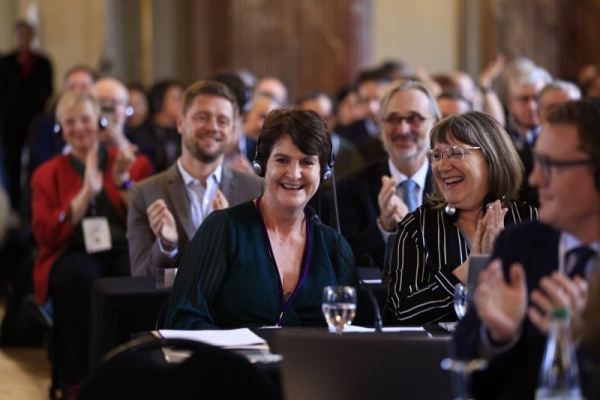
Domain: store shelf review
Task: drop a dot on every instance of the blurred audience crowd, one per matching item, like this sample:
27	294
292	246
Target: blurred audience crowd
140	130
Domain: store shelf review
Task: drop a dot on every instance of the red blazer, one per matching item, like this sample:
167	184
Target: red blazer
54	184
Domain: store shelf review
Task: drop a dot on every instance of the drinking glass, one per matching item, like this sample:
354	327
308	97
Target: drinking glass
461	299
339	306
461	371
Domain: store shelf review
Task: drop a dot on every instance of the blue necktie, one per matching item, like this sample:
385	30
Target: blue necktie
408	187
582	255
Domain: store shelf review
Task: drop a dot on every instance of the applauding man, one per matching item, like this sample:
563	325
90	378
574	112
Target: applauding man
539	266
166	210
373	199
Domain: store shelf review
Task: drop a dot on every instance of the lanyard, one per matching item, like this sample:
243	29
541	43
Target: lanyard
93	208
283	303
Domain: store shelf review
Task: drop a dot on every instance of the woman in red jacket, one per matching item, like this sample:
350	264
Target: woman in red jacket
79	207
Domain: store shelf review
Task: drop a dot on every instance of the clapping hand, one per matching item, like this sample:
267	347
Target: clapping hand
123	163
162	223
219	202
392	208
488	229
501	305
491	72
92	178
558	291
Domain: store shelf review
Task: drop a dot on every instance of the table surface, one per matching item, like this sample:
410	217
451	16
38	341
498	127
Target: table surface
123	306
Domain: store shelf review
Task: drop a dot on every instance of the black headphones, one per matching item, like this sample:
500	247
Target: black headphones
102	124
259	169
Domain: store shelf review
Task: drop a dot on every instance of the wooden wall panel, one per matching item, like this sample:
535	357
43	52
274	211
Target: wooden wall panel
581	36
527	28
560	35
308	44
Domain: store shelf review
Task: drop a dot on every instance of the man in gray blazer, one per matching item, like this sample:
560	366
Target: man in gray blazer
166	209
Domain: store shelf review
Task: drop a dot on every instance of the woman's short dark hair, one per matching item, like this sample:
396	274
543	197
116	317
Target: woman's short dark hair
478	129
307	130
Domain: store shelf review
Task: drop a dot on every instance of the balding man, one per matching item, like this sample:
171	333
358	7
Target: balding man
113	97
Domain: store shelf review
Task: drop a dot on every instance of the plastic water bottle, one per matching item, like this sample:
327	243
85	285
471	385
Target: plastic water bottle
559	375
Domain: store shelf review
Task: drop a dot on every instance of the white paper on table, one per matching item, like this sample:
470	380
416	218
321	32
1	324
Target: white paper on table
242	338
356	328
372	281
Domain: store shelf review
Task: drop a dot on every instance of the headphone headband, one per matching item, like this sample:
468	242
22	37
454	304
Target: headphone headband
259	169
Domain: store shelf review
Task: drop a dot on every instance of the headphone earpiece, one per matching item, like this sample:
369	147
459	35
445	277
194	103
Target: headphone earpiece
597	179
256	165
260	170
328	168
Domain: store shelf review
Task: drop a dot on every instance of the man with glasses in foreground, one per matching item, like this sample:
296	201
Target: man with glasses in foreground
376	197
540	266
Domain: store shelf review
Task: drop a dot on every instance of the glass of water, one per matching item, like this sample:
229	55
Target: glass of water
339	306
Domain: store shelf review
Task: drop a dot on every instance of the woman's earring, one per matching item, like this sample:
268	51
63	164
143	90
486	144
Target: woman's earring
449	210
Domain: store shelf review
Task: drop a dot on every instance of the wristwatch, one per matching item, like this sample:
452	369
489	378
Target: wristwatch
126	185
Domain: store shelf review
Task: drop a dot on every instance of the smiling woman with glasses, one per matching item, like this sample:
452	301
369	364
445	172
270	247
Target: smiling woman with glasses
477	175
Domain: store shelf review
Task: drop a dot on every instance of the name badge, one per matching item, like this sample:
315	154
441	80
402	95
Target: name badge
96	234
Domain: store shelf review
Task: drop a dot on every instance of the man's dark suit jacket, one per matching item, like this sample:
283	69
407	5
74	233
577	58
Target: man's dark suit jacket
359	209
356	132
514	374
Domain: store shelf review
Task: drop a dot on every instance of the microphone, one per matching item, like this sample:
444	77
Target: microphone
311	213
449	210
378	320
335	203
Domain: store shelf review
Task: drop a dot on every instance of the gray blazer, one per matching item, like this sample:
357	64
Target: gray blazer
144	251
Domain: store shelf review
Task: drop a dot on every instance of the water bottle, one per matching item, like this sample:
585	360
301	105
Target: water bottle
559	375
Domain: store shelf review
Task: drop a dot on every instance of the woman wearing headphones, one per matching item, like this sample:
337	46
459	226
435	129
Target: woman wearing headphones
266	262
477	174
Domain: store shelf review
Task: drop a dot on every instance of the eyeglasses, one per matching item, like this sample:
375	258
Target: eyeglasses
413	120
454	153
549	165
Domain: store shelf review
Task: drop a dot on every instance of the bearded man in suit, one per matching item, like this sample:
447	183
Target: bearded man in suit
166	210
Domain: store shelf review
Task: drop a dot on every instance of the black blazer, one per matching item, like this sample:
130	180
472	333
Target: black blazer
513	375
359	209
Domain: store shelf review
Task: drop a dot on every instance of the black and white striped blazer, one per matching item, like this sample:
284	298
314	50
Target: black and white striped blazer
427	248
